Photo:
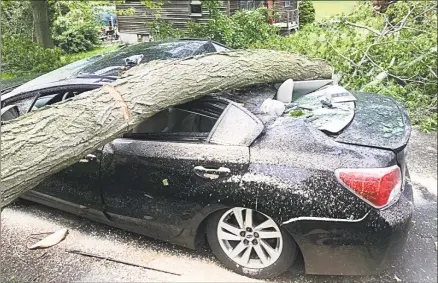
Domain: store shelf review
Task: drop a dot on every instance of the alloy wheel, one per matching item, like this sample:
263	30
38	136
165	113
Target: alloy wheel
249	238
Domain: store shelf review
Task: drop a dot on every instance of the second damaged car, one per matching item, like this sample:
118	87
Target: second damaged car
323	175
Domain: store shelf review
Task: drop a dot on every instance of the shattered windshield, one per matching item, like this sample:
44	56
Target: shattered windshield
58	74
330	108
324	109
112	61
146	52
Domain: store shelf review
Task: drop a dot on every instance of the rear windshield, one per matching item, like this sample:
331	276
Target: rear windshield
320	109
304	105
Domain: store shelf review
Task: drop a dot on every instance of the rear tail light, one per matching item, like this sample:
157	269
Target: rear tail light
377	186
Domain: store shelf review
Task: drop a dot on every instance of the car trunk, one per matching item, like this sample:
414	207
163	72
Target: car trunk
356	118
366	119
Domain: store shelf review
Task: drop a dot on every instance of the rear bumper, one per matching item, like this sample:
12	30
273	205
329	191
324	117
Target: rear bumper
353	247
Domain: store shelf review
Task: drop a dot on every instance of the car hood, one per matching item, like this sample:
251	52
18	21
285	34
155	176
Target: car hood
379	121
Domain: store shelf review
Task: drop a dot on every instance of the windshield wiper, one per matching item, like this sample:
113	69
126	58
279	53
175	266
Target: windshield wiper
33	102
91	76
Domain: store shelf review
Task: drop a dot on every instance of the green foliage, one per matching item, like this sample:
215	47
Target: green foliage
242	29
17	18
306	12
217	28
75	27
249	27
20	55
75	37
162	29
150	4
393	54
296	113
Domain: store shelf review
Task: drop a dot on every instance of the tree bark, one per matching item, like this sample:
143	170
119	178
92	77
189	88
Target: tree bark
43	35
44	142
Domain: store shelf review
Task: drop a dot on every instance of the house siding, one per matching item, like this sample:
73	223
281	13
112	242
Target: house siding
279	7
175	11
236	5
178	13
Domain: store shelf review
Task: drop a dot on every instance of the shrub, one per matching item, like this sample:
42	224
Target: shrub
20	55
162	29
75	37
306	12
217	28
250	26
242	29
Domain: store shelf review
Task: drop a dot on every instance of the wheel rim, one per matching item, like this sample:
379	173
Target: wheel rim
249	238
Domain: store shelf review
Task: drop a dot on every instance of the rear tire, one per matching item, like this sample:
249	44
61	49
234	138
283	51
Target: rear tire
239	249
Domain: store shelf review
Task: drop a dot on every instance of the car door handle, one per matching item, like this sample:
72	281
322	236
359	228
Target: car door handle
211	174
88	158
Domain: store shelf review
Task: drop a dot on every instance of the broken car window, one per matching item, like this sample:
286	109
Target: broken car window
174	120
195	118
149	51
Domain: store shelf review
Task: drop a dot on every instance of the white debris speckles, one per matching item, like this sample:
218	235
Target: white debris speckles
263	180
233	179
19	221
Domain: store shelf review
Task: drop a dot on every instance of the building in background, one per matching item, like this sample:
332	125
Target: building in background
178	12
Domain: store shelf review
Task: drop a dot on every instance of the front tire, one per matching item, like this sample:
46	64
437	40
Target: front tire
250	243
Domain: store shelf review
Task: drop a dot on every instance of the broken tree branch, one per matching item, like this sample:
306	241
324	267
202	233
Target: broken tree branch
41	143
358	26
395	76
342	55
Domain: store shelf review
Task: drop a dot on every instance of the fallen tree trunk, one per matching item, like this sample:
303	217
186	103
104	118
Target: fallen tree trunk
44	142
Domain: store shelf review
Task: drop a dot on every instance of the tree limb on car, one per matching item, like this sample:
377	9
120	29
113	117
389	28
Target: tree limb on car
41	143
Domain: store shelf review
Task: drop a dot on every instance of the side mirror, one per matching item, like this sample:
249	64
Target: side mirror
9	112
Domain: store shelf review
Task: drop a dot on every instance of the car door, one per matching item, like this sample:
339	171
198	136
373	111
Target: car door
76	185
160	176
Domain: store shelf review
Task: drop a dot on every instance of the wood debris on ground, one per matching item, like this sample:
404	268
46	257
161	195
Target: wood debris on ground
51	240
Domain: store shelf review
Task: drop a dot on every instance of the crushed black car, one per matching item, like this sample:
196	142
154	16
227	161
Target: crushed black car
329	181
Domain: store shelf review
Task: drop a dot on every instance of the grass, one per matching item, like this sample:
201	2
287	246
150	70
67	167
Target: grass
69	58
324	9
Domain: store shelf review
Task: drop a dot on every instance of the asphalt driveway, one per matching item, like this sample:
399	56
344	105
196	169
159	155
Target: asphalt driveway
171	263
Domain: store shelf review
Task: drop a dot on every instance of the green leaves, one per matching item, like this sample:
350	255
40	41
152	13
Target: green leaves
406	50
75	37
296	113
243	29
20	56
307	12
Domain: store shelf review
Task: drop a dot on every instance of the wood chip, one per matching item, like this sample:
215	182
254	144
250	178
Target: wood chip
50	240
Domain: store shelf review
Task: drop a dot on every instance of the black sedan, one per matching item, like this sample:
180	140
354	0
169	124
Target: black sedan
330	184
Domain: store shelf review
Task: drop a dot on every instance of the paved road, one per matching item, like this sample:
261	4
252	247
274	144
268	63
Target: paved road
18	264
